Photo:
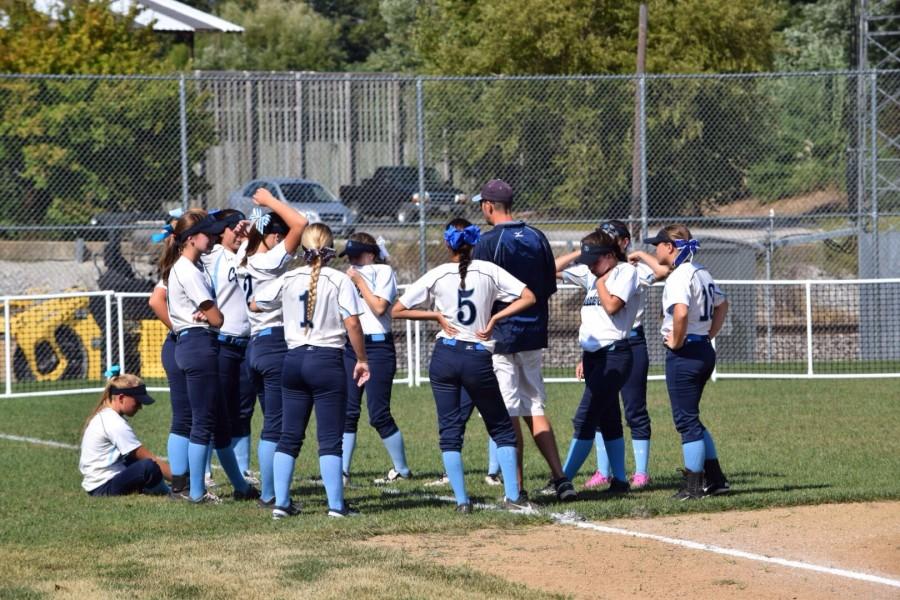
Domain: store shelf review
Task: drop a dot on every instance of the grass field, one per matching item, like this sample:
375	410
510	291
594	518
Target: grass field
781	443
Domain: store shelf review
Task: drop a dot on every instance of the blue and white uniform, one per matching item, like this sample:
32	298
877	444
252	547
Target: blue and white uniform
222	265
196	353
180	427
311	366
265	353
607	364
690	367
382	358
463	362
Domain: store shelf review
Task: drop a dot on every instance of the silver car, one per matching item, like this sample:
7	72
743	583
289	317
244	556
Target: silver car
305	196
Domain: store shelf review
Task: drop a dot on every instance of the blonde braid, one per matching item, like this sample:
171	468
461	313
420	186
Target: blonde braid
313	285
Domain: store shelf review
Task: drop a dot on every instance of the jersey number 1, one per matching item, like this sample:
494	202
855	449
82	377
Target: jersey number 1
304	298
465	313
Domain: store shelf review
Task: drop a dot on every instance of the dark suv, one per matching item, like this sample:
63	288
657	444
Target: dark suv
394	192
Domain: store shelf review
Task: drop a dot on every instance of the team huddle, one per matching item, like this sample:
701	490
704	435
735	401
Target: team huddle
246	322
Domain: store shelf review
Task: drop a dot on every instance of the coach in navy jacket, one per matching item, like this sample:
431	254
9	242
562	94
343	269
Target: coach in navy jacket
525	253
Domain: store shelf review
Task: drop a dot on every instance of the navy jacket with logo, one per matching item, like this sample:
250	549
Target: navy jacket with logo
525	252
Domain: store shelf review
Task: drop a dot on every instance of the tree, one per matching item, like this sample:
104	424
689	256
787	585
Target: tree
400	54
279	35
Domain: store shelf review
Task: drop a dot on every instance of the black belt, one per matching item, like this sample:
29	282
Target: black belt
233	340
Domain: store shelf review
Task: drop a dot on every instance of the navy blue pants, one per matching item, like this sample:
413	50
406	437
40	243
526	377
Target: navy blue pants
197	354
138	476
237	387
382	365
457	371
178	395
634	392
311	379
265	358
605	372
687	371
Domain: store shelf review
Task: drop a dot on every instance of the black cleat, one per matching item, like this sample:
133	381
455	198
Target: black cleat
691	486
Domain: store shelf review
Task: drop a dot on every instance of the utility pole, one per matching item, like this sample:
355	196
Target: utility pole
638	162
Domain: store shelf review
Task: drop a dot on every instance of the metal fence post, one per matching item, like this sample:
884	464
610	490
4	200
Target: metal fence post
770	251
120	324
873	174
182	115
420	149
109	344
642	114
7	346
809	329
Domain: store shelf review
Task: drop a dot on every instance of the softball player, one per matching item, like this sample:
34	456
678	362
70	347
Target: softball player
222	264
180	425
271	244
463	292
113	461
377	286
607	317
694	310
321	311
195	319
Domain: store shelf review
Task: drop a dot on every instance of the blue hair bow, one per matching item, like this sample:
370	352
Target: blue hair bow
167	230
259	219
112	371
686	249
455	238
176	213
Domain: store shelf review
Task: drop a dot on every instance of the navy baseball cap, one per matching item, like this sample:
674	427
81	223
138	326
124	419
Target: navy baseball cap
590	253
659	238
355	248
138	392
495	190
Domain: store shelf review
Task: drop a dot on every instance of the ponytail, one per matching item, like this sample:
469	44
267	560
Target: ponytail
171	247
461	236
125	380
317	242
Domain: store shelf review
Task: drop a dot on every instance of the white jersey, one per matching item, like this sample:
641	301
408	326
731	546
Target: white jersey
693	286
599	328
261	270
468	309
646	278
107	440
189	287
221	265
383	283
336	299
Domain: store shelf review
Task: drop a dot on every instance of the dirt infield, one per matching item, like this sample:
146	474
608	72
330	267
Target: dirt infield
863	538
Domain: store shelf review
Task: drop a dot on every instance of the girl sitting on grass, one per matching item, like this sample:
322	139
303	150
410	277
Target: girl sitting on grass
113	460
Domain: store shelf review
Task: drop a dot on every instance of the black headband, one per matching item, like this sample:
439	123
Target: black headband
138	390
355	248
208	225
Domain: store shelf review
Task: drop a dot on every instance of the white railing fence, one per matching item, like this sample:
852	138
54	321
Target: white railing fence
811	329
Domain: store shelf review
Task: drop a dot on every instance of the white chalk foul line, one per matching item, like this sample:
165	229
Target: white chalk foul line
572	519
36	441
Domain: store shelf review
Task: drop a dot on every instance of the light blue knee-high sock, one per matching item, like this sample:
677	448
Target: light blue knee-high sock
493	465
709	445
397	450
615	449
602	456
197	461
641	455
209	452
159	489
283	470
330	468
349	446
231	468
454	468
578	451
241	447
694	455
506	456
266	453
177	449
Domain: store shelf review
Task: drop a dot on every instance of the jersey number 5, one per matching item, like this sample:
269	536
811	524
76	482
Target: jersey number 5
304	298
706	310
465	313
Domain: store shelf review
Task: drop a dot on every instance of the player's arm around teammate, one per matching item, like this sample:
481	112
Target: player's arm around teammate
607	316
694	310
462	293
377	286
196	319
321	311
271	243
113	461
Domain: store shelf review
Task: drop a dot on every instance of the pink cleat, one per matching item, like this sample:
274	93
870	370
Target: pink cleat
639	480
598	479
